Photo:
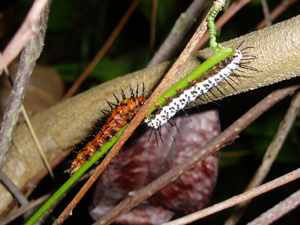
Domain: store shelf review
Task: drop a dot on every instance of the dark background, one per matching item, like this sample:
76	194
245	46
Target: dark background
77	30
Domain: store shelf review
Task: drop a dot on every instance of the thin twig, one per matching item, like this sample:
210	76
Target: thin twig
278	211
28	30
181	27
20	211
224	18
239	198
266	13
31	129
13	189
32	183
138	118
225	138
36	140
282	7
270	156
153	24
264	49
28	58
43	218
102	51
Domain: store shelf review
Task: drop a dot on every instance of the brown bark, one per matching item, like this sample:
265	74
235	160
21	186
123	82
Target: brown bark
277	52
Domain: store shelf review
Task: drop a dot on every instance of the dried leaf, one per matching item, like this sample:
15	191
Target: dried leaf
140	162
45	89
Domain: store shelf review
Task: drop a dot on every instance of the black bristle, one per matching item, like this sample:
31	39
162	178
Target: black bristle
240	44
246	48
116	98
150	93
137	90
236	76
107	111
171	123
97	129
131	91
150	134
230	78
111	105
104	113
160	134
156	138
229	84
75	151
175	125
207	97
204	100
102	121
186	114
220	91
213	94
170	132
80	145
143	93
249	68
91	135
88	138
123	94
250	57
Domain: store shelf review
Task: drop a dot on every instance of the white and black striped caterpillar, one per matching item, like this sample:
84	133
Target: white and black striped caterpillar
197	88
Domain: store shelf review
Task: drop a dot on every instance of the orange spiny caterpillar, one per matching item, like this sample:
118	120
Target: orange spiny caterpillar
121	114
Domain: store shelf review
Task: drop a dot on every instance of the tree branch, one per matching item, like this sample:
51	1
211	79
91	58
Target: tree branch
65	124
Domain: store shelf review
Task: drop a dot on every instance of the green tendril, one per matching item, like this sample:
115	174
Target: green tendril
211	24
74	178
219	54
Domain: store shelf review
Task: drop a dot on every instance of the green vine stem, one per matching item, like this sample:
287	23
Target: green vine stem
211	25
73	179
67	122
219	53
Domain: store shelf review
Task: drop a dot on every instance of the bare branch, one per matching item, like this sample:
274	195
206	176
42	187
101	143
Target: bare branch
225	138
270	156
28	29
139	117
13	189
24	208
266	13
28	58
102	51
242	197
181	27
278	211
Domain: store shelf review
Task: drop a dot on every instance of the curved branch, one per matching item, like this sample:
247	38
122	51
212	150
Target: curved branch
30	54
277	50
28	30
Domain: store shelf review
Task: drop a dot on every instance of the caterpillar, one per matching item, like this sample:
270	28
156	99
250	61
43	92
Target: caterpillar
197	87
217	68
121	114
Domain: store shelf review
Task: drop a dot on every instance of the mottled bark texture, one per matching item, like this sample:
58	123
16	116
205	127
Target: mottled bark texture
277	51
